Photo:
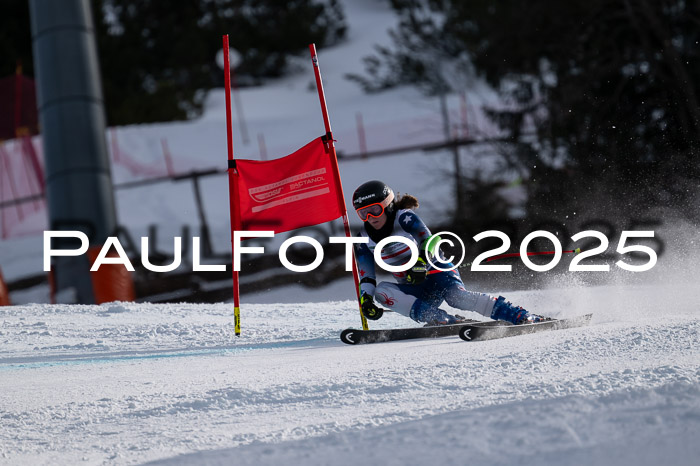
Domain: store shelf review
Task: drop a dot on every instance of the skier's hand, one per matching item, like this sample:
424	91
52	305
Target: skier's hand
369	310
418	273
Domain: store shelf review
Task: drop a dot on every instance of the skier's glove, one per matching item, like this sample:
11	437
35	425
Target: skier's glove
418	273
369	310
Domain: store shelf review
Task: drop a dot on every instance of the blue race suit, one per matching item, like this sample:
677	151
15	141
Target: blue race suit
420	302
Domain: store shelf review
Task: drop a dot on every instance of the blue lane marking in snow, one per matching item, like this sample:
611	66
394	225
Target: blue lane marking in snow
36	362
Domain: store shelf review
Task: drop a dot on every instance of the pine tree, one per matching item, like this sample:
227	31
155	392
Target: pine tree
159	58
610	87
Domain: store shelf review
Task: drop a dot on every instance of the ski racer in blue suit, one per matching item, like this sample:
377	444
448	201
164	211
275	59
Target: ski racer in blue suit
419	291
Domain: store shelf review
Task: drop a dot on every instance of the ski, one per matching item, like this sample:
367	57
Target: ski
498	329
353	336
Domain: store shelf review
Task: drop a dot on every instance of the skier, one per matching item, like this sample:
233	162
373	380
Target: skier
421	289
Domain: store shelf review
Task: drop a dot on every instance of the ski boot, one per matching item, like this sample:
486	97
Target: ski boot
516	315
434	317
450	320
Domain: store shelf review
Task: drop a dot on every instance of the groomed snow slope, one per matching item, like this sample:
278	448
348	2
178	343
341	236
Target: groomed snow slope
131	383
128	383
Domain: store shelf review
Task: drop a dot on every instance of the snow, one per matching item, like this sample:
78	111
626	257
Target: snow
133	383
130	383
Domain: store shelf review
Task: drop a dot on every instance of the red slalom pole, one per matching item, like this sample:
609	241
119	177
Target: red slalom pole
336	173
233	188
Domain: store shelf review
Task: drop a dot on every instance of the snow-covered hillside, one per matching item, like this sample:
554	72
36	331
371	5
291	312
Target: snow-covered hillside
286	112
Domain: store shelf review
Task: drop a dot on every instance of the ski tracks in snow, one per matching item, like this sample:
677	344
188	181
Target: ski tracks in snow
579	387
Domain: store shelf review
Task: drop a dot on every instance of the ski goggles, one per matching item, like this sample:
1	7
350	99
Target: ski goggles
372	210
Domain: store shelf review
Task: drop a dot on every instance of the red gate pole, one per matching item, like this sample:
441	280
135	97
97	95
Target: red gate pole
233	189
336	172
